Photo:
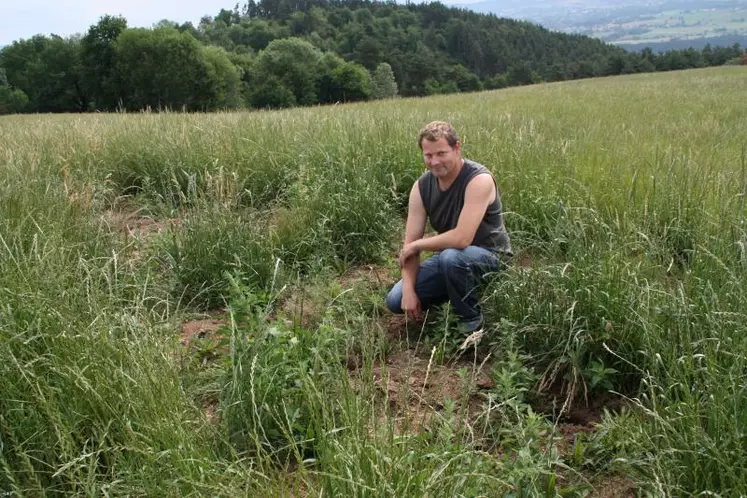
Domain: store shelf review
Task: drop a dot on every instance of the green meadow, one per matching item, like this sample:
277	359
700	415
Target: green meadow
676	24
193	304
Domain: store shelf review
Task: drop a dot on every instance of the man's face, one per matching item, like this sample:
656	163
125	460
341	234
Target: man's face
440	158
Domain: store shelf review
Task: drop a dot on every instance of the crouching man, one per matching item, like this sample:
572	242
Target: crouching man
460	199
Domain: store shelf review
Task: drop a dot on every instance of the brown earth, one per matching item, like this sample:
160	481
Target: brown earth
372	274
132	224
199	329
613	486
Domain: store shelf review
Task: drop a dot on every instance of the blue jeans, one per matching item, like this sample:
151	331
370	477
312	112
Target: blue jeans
451	275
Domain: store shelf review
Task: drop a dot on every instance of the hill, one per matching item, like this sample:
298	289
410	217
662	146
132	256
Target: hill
635	24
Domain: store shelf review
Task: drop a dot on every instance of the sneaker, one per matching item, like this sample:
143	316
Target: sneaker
470	326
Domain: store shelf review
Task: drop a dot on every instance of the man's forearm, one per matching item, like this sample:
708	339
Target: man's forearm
410	272
447	240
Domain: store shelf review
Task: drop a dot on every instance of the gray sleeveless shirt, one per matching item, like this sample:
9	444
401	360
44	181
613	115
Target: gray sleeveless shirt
444	207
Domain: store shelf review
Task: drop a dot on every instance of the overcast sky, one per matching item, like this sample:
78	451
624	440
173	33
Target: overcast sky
26	18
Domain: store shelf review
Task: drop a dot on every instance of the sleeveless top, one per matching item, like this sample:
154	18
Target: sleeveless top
444	207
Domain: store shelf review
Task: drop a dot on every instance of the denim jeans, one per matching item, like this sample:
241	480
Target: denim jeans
451	275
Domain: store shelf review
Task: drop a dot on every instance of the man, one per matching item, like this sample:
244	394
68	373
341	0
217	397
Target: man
461	200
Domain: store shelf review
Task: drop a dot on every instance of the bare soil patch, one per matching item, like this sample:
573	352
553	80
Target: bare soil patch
203	328
132	223
585	412
374	275
612	486
417	389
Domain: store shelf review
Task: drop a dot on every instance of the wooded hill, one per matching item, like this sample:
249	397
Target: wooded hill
282	53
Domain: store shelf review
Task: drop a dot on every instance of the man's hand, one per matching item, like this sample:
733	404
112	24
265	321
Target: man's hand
408	251
411	303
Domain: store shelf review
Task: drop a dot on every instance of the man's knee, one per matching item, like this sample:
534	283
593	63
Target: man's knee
394	299
451	259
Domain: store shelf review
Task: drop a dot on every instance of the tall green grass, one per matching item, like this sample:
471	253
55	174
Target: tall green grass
625	195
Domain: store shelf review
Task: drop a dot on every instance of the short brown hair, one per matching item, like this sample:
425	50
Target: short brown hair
436	130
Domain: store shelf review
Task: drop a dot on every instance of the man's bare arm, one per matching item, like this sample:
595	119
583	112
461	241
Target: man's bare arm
414	230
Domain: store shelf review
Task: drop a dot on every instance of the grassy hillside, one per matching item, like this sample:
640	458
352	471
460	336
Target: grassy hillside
193	304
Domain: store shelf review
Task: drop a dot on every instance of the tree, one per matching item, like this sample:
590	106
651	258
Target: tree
345	82
521	74
165	68
11	101
465	80
97	60
383	83
47	71
270	92
225	90
295	63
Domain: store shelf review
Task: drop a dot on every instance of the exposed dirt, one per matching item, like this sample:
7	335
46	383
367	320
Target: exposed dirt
400	328
412	387
612	486
211	411
417	389
200	329
132	224
376	275
582	412
523	260
300	307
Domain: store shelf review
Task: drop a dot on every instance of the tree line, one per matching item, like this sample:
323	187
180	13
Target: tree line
284	53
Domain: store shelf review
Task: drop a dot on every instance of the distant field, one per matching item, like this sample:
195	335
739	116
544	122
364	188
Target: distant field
192	304
674	24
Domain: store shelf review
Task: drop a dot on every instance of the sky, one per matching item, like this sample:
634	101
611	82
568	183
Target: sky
26	18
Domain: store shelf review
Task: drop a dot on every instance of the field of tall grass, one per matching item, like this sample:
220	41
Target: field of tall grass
625	201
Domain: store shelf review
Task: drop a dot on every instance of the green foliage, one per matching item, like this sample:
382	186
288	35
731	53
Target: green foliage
163	68
429	49
514	381
98	61
347	82
210	247
47	71
271	92
85	406
383	82
521	74
435	87
225	79
12	101
598	376
346	218
272	400
294	63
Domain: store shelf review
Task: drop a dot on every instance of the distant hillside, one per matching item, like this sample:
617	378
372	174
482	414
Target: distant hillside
634	22
430	47
697	44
